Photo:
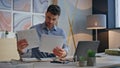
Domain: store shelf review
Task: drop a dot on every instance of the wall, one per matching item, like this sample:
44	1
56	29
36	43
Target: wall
106	7
74	13
114	38
109	38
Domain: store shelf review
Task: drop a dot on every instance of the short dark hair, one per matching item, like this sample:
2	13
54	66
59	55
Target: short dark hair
54	9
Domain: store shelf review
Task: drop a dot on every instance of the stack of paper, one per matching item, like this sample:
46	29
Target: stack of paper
113	51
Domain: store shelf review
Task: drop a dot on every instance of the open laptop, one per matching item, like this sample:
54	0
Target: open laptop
84	46
8	49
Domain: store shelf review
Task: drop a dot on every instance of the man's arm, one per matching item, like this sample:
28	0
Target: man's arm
62	52
66	48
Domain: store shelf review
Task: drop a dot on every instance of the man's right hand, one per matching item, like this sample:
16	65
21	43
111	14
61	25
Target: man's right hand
21	44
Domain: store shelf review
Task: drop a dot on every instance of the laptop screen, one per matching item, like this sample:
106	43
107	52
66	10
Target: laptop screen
84	46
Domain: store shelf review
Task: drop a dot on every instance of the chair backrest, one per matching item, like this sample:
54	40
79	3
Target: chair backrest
84	46
8	49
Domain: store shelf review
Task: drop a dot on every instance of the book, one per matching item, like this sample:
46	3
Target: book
112	52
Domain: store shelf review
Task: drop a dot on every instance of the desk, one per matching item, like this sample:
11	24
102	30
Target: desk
101	62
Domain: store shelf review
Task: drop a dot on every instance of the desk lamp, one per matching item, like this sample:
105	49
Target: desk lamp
96	21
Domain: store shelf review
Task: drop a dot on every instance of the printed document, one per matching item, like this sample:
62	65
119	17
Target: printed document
49	42
31	36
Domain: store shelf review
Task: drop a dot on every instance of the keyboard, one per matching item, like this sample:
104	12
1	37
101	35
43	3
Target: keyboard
36	60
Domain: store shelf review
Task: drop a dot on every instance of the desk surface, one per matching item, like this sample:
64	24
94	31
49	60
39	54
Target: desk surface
101	62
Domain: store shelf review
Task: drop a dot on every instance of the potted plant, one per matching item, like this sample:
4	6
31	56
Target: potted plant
82	61
91	59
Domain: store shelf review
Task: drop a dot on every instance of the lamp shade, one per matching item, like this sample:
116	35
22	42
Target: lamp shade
96	21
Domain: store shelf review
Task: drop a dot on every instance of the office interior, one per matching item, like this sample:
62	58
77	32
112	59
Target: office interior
18	15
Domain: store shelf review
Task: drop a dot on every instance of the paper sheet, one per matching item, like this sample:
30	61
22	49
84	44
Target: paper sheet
49	42
8	49
31	36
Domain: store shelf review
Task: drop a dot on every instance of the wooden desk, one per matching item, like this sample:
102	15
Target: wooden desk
101	62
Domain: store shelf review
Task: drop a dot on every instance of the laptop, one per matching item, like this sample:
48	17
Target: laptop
8	50
84	46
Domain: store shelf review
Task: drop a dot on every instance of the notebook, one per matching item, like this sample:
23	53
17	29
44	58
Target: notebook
84	46
8	49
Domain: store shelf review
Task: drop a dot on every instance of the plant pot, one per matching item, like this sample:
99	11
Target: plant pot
91	61
82	63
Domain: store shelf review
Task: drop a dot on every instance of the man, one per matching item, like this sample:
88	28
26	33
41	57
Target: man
48	27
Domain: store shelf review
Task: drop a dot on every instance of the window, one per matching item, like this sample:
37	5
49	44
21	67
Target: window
18	15
117	6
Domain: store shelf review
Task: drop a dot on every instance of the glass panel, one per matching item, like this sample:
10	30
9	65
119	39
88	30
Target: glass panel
5	4
117	13
22	5
5	21
37	19
21	21
40	6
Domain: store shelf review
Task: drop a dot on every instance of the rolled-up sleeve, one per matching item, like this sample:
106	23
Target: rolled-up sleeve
66	48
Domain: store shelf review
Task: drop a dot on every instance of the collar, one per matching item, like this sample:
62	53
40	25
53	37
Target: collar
45	27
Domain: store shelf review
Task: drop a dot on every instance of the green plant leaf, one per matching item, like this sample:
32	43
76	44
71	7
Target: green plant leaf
81	58
91	53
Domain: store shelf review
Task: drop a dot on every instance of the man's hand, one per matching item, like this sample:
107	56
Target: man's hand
21	44
59	52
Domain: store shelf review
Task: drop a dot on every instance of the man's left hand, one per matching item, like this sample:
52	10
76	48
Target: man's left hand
59	52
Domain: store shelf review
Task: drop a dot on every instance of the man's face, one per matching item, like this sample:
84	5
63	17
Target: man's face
51	19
